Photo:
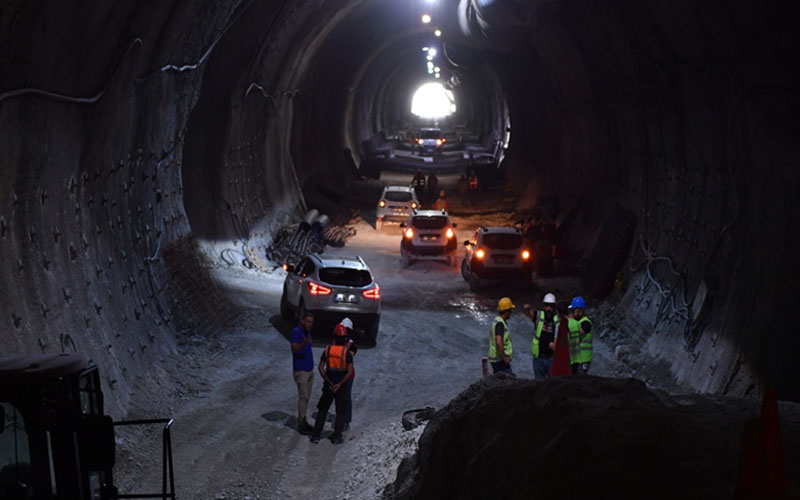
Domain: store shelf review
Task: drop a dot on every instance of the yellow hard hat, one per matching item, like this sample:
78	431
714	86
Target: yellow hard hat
505	304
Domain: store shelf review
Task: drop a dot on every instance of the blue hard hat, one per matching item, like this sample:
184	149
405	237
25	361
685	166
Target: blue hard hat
578	303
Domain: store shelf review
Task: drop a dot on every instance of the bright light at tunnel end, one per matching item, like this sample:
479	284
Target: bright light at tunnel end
432	100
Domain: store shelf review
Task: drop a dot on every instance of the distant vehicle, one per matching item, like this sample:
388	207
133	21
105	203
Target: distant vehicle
396	205
429	142
56	443
496	253
429	235
332	288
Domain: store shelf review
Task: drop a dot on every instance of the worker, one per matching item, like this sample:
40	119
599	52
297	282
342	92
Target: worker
433	185
418	183
500	349
580	337
353	349
303	367
544	335
441	202
336	368
472	188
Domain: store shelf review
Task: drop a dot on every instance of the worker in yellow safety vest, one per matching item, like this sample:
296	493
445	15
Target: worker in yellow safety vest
500	349
580	337
545	333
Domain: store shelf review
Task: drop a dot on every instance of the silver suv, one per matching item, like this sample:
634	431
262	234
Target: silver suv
396	204
496	253
428	234
333	288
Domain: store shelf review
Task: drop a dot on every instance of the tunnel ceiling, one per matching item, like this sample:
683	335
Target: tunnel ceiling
128	133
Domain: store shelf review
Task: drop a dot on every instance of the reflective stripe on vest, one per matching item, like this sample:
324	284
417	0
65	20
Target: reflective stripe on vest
584	354
538	333
507	349
336	358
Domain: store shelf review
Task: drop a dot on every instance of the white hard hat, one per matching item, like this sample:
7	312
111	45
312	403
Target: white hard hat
549	299
347	323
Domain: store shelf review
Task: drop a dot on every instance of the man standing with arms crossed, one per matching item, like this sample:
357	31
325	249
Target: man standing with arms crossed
303	368
500	349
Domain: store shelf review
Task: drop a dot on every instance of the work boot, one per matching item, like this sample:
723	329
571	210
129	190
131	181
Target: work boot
304	428
315	438
336	438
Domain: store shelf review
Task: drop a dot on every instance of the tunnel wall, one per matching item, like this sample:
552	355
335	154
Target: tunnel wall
683	116
96	254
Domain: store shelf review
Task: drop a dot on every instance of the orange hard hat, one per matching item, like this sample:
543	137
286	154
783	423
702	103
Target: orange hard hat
340	330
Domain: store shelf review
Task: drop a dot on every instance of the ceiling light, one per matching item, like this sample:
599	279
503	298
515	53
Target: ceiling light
426	18
432	51
425	49
438	32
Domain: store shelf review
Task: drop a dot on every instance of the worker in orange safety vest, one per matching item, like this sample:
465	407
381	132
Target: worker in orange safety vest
336	368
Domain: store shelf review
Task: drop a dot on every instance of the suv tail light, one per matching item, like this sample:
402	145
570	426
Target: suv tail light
413	205
372	293
480	254
438	142
409	233
526	255
317	289
449	233
382	203
420	141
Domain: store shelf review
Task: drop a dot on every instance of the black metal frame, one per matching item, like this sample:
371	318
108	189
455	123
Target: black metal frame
166	464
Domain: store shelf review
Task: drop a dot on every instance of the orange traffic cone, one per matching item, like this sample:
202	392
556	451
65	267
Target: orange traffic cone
762	472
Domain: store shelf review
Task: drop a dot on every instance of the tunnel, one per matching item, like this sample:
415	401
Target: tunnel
133	133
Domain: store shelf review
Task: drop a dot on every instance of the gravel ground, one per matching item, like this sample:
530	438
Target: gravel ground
233	398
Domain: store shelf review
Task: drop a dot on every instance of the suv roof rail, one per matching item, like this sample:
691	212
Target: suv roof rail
361	260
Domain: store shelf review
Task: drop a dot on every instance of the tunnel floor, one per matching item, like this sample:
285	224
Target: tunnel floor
234	400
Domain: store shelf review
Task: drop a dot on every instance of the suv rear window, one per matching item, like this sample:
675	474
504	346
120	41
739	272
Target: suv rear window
398	196
429	222
434	133
345	277
502	241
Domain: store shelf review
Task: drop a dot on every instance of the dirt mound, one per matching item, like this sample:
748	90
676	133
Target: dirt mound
582	437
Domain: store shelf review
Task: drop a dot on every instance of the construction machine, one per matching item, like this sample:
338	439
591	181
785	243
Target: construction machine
56	442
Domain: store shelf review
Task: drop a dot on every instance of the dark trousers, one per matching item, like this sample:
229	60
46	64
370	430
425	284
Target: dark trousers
501	366
580	368
349	389
342	402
